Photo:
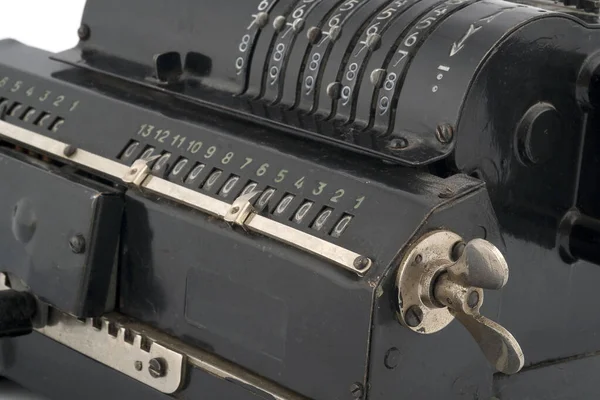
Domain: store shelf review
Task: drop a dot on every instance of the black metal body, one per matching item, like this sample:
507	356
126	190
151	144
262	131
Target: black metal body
515	83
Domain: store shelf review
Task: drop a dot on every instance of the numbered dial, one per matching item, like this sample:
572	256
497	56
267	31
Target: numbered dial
319	51
400	61
289	29
369	42
245	48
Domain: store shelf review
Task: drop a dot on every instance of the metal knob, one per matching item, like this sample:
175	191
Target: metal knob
434	290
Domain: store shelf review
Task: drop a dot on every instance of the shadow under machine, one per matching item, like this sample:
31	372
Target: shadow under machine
304	199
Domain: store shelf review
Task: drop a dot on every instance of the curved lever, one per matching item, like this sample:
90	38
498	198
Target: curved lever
481	265
433	290
497	344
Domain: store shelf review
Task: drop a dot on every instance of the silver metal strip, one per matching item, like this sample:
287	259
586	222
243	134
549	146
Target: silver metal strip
139	175
96	341
116	346
186	196
338	255
59	149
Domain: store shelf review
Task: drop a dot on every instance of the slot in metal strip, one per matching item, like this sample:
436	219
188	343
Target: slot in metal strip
239	213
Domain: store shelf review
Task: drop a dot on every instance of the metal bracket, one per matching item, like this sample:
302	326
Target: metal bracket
240	213
241	209
139	171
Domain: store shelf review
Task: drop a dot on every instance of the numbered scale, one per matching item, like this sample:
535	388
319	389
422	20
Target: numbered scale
340	68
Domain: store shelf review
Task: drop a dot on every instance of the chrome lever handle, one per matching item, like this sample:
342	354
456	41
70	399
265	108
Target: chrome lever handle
482	265
433	290
497	344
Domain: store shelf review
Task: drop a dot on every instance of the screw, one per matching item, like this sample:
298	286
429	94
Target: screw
414	316
69	150
473	299
138	365
444	133
457	250
157	367
361	263
357	390
84	32
235	210
77	244
418	259
398	144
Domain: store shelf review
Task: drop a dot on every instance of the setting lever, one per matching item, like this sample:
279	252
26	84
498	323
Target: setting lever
441	279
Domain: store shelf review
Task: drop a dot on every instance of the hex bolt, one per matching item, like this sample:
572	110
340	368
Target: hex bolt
84	32
414	316
357	390
444	133
77	244
157	367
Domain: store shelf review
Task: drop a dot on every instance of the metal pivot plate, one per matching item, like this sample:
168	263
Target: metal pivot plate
423	259
117	346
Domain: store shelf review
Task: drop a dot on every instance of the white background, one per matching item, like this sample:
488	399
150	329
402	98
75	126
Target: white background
47	24
50	25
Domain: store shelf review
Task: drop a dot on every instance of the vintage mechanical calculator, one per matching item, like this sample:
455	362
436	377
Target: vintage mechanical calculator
304	199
